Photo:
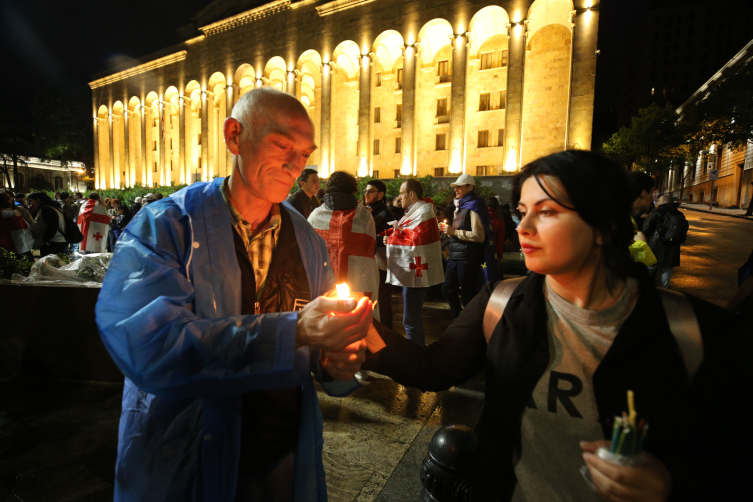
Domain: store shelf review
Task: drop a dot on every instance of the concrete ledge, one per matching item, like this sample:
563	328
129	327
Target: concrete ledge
50	333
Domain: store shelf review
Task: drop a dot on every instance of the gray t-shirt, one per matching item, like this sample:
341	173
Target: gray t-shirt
562	411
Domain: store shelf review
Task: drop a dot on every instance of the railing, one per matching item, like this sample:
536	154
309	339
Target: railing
443	79
443	119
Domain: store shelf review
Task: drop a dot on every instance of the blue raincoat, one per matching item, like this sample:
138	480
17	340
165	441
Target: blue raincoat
169	315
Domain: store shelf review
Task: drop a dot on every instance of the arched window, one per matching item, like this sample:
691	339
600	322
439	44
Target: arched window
58	183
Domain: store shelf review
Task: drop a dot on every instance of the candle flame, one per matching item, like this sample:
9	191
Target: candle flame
343	291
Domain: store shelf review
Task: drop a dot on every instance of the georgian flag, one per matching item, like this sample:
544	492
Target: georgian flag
351	240
94	223
414	253
15	234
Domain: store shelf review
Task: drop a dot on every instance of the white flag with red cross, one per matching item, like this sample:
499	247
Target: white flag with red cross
351	240
414	251
94	223
15	234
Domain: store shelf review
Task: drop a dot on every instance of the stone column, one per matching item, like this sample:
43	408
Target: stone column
364	114
97	163
204	135
161	143
408	126
583	79
182	140
290	83
514	111
111	160
127	149
144	167
457	103
298	80
231	90
326	124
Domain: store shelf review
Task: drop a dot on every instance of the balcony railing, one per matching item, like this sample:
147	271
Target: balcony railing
443	119
443	79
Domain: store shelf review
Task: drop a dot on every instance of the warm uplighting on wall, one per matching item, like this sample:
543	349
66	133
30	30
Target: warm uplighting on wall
456	163
405	169
511	162
363	167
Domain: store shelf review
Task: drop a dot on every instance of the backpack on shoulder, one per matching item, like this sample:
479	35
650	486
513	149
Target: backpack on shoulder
675	228
72	234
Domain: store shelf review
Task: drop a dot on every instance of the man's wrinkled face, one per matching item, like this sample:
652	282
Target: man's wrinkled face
372	195
271	162
311	185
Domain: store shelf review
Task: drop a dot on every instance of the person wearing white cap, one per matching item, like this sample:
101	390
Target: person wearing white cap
148	199
471	247
134	208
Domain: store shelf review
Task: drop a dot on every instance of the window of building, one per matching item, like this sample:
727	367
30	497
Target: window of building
397	173
398	145
483	139
378	115
376	147
493	59
499	99
171	166
154	169
438	172
378	79
443	68
154	122
154	145
484	101
442	112
375	173
441	141
714	194
198	112
171	143
198	139
483	170
399	78
501	137
58	183
399	116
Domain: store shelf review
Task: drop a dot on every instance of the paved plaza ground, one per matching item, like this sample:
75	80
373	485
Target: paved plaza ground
58	438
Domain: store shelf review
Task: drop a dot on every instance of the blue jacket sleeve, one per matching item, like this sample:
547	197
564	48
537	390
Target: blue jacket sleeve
146	319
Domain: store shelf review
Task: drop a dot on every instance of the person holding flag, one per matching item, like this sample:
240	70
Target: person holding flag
414	255
347	228
473	259
15	234
94	223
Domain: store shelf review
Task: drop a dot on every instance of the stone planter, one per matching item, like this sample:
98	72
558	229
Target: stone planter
49	332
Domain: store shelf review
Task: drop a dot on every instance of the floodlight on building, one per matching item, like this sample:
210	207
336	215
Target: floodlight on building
511	162
456	163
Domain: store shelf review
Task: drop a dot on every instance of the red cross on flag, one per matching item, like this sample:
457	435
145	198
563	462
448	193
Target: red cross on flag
414	253
94	223
350	236
15	234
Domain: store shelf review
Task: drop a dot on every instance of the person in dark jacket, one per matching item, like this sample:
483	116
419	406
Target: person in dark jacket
582	329
655	229
134	208
471	258
49	224
373	199
304	200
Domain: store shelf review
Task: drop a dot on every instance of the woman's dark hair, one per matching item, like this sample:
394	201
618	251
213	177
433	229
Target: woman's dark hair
342	182
44	199
597	189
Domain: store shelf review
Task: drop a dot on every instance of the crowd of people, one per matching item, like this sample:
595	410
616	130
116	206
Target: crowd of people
35	221
219	308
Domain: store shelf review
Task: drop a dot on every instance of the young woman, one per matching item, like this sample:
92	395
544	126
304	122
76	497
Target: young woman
585	326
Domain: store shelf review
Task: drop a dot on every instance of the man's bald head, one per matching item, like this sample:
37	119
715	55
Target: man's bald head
259	108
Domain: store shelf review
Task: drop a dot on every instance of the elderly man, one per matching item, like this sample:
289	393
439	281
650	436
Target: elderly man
212	308
304	200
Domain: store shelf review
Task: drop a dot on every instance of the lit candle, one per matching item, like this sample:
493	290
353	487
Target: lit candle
343	291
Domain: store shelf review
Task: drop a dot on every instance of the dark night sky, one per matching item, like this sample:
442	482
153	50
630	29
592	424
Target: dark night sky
60	44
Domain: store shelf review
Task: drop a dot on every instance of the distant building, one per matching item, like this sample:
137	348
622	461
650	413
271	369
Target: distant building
679	43
64	177
735	167
394	87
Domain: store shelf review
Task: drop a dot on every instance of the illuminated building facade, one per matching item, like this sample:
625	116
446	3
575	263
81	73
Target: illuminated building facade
394	87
